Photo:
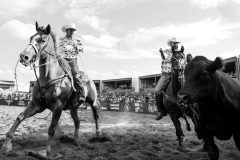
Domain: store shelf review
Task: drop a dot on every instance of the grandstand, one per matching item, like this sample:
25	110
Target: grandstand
231	66
98	84
148	82
121	85
6	84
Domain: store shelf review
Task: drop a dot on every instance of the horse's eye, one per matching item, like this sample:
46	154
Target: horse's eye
39	40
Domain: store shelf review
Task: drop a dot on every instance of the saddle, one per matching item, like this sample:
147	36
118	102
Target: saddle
67	70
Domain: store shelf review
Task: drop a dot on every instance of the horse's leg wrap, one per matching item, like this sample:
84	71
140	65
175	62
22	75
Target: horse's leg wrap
95	109
55	118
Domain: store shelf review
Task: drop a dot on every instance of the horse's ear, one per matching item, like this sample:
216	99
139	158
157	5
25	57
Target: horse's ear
189	57
182	49
48	29
215	65
36	24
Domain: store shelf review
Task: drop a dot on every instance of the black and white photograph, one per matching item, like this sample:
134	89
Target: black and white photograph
119	80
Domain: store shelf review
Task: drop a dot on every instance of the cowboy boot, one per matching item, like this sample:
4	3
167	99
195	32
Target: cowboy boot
82	94
162	107
158	103
80	89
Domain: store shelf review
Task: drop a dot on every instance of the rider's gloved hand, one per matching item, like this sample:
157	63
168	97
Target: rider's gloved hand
160	50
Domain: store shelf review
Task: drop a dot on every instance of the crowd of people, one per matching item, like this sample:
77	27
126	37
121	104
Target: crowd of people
127	97
16	96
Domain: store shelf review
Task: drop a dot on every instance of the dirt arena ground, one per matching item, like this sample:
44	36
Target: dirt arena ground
126	136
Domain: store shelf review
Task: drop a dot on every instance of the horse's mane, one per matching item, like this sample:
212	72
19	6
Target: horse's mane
55	41
62	61
43	30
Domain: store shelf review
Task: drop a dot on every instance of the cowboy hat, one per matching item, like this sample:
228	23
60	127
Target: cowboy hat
69	26
172	40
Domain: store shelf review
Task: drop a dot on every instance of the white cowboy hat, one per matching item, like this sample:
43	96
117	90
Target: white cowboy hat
69	26
174	39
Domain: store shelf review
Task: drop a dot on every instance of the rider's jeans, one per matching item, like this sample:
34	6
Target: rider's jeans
161	83
74	67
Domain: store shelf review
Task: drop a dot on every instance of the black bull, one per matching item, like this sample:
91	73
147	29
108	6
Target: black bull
218	98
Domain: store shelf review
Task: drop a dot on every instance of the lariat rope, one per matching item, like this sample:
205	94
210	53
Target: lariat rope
36	66
15	74
82	63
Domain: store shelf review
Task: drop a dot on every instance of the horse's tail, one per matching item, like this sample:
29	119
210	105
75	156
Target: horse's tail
96	103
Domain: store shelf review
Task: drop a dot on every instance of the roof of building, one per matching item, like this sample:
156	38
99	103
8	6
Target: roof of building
117	80
2	82
229	60
150	76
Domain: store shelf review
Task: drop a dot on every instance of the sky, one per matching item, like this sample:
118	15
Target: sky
121	37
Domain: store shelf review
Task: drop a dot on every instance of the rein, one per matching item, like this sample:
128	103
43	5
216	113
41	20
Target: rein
34	68
47	62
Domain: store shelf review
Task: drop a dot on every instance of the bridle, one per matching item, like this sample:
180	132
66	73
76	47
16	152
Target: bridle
37	54
180	69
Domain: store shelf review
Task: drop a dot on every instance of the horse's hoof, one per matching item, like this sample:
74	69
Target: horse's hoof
7	146
76	142
48	151
43	153
39	155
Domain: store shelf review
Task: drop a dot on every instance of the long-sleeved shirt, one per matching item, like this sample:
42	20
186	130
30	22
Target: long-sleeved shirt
166	63
70	47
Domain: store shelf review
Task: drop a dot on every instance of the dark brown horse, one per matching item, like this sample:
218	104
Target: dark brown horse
170	102
54	89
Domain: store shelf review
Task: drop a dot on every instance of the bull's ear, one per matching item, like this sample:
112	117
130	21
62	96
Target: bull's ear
36	24
48	29
215	65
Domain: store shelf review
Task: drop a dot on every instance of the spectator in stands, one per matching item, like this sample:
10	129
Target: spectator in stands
166	56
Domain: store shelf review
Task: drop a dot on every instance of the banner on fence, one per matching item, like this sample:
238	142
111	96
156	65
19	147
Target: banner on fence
139	107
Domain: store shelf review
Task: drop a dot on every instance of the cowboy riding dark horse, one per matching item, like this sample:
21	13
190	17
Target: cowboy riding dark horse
169	85
166	74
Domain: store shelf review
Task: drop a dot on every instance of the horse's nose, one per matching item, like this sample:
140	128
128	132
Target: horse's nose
26	58
23	57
